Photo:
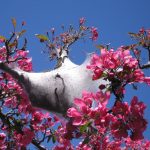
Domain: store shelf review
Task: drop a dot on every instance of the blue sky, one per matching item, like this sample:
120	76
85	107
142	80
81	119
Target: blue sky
113	18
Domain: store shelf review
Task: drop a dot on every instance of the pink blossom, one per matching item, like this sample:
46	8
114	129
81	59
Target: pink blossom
95	62
103	97
25	64
138	75
137	107
119	129
82	21
63	139
116	145
140	144
101	117
87	98
22	53
56	118
25	105
37	117
147	80
146	144
81	105
94	34
83	108
25	138
77	120
97	73
77	116
3	53
120	90
121	108
11	102
72	112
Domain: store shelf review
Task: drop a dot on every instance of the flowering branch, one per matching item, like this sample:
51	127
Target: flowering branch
87	118
143	40
57	98
146	66
17	127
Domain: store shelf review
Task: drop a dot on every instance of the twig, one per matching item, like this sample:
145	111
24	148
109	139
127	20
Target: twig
145	66
35	143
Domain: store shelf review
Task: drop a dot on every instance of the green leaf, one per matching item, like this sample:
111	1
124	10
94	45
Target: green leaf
84	128
13	20
53	138
2	38
41	37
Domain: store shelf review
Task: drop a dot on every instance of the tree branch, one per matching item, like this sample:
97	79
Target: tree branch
35	143
145	66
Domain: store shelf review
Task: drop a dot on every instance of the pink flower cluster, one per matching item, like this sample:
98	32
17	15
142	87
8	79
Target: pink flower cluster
10	87
41	121
140	144
24	138
31	121
24	63
64	136
117	64
121	122
85	110
14	96
20	57
99	127
129	118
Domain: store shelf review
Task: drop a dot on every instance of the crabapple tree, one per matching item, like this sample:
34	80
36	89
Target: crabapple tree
30	102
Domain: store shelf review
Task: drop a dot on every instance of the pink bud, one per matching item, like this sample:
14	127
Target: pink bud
82	21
